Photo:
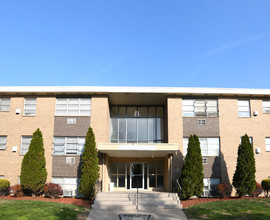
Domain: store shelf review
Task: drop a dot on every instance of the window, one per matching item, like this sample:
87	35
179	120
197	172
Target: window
137	124
26	140
210	186
3	142
118	174
29	106
243	108
201	121
199	107
69	185
4	104
209	146
267	144
266	106
2	177
155	173
68	145
73	107
204	160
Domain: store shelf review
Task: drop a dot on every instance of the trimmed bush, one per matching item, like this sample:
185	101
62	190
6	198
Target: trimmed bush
33	170
53	190
258	190
224	190
191	179
4	186
90	168
266	186
244	176
16	190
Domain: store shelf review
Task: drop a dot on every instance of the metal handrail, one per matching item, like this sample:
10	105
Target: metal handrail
179	187
97	183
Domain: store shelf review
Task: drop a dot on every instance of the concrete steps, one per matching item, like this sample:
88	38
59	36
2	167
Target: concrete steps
125	202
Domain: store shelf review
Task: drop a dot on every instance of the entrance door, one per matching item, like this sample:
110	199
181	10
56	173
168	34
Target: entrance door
136	175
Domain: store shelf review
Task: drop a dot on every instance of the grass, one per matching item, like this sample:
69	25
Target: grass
19	209
231	209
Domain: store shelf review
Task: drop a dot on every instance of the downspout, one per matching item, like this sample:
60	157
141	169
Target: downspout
171	172
102	172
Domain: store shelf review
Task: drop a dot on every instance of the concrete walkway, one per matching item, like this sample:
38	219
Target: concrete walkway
162	205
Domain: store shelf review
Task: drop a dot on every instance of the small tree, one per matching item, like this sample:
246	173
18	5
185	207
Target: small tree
244	176
90	167
191	179
33	169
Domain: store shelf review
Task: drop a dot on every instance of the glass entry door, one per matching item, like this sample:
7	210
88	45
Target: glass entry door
136	175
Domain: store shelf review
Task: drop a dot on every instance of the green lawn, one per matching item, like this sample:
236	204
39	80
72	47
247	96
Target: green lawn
19	209
231	209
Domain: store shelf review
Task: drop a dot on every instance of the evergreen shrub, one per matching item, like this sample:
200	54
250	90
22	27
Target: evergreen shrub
266	186
244	176
89	167
33	169
191	179
4	186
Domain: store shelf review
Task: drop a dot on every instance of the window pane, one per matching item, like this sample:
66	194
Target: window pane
152	168
159	181
29	106
152	111
114	111
122	128
185	146
113	168
122	110
131	129
121	181
142	129
121	168
114	180
160	112
160	128
131	111
142	111
151	129
159	168
3	142
152	181
114	128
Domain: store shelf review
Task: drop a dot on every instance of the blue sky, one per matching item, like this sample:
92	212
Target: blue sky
135	43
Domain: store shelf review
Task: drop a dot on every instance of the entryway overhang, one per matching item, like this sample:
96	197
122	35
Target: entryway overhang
137	150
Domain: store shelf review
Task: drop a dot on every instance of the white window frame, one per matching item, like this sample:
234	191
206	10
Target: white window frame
205	152
3	142
64	182
208	187
267	144
66	107
266	106
4	104
29	111
199	107
21	152
243	108
79	145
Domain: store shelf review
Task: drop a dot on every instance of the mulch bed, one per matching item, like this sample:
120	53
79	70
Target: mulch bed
191	202
81	202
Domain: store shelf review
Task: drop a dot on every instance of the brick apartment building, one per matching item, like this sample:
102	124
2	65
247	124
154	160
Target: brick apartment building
141	132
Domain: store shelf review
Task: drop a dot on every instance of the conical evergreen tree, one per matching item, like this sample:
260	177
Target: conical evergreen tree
33	170
244	176
191	179
90	167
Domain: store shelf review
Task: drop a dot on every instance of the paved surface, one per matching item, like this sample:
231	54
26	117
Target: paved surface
163	206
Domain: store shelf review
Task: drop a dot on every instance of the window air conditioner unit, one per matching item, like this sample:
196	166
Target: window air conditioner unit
71	121
67	193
